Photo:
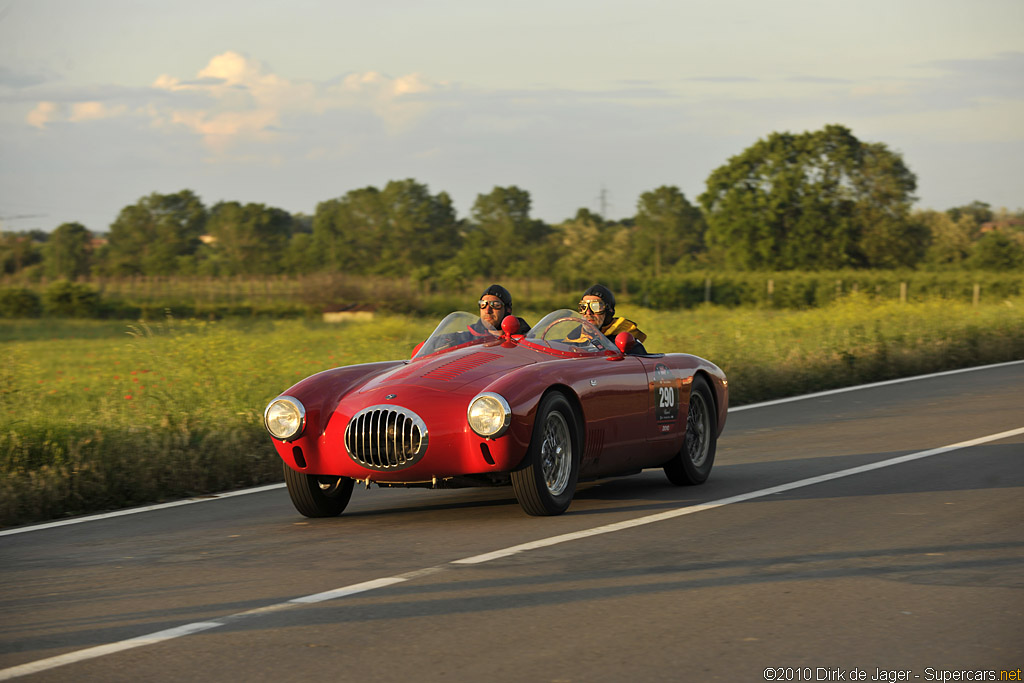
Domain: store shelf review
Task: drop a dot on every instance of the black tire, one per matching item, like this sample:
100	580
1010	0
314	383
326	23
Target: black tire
692	464
318	495
545	482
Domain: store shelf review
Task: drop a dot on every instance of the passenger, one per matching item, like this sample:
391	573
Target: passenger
598	307
495	303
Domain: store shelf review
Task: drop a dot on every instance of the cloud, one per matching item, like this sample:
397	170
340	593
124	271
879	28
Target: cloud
235	99
247	102
723	79
47	112
42	114
1005	70
20	79
87	111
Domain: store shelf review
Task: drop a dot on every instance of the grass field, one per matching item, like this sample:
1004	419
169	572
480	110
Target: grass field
100	415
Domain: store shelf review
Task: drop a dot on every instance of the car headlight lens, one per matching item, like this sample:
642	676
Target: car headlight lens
489	415
285	418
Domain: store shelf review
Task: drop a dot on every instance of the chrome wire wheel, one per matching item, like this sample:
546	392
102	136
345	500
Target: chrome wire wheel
556	453
545	480
692	464
698	427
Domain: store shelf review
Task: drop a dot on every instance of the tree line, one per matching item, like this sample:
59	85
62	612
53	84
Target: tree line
819	200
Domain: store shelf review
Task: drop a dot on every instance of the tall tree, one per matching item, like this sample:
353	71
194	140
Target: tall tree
21	250
668	229
68	251
347	230
421	228
590	250
813	200
250	239
158	235
980	212
502	239
385	231
949	241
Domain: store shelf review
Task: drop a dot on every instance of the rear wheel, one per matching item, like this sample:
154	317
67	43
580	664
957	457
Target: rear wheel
546	481
692	464
317	495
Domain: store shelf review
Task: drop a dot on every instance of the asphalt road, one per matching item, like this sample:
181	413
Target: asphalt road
914	566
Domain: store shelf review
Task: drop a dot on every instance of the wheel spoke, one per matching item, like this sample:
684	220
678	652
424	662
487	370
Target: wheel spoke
556	454
697	428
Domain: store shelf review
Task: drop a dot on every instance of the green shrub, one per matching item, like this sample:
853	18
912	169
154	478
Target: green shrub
71	300
19	303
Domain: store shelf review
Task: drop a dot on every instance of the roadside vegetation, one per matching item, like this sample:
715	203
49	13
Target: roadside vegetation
155	297
98	415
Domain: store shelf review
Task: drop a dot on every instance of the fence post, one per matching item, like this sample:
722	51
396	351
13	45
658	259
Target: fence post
977	293
707	290
903	292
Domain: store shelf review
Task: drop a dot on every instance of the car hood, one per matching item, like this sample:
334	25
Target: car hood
453	370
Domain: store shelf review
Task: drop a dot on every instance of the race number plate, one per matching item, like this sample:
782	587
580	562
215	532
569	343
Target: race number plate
666	393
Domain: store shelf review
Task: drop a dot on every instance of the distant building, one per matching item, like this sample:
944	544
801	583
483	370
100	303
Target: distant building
1007	225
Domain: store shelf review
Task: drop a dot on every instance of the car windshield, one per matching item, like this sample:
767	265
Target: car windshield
454	331
565	330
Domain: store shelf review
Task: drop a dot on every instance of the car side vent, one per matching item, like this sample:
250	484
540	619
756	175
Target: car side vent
386	437
450	371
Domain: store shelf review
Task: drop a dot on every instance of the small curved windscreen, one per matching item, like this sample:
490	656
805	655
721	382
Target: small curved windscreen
455	330
565	330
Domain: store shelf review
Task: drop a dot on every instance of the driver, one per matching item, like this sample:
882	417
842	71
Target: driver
495	303
598	307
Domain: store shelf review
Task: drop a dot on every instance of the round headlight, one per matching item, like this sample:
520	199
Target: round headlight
285	418
489	415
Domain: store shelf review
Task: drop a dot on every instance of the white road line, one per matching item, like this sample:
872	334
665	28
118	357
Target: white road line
679	512
135	511
261	489
101	650
344	591
873	385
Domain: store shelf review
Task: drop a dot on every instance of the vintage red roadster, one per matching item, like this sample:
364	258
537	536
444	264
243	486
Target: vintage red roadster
536	411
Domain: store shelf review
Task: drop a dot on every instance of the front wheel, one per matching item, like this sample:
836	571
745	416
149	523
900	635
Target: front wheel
546	481
318	495
692	464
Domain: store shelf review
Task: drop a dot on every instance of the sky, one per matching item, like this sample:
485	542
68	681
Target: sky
582	103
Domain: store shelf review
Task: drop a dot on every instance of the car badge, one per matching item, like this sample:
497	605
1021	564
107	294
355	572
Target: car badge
593	382
391	396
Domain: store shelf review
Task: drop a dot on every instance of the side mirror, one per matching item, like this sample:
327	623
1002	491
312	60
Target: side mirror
625	341
418	347
510	325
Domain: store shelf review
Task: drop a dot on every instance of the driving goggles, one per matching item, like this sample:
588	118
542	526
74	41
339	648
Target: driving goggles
492	304
595	306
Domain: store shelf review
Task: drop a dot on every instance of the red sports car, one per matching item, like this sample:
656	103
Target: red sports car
535	410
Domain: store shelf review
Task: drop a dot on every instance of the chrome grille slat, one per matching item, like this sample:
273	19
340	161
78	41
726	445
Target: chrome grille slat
386	437
375	448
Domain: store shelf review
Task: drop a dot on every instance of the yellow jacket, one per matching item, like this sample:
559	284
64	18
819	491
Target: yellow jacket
623	325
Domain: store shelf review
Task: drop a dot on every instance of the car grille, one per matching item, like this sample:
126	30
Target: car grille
386	437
